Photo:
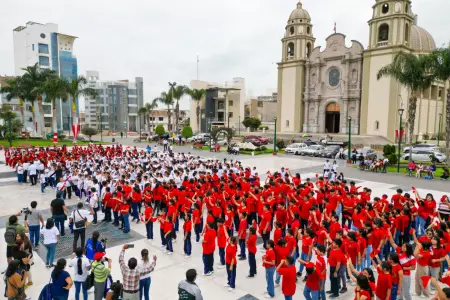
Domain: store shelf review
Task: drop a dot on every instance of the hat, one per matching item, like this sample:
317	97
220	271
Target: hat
309	265
99	255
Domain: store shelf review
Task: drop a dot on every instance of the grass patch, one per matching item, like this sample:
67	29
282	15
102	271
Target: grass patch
391	169
267	151
42	143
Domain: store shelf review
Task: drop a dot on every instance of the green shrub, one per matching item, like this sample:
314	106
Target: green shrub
187	132
263	148
281	144
159	130
426	136
393	158
264	127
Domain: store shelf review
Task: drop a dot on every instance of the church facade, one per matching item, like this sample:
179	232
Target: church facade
326	90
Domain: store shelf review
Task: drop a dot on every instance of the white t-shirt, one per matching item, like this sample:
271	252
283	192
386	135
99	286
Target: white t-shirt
93	201
84	268
79	215
50	235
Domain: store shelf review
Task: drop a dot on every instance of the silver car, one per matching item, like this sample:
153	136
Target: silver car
295	148
425	156
313	150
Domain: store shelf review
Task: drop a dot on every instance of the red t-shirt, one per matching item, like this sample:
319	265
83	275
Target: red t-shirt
436	254
395	276
221	237
168	226
425	260
306	242
406	262
281	253
336	256
322	236
289	284
230	254
334	227
270	256
312	280
242	229
148	212
352	251
384	283
251	243
187	226
364	293
209	244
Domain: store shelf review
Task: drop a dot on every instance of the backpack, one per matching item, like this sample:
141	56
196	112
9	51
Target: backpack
89	282
46	292
10	234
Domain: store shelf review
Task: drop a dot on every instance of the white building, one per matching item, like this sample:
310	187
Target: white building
160	117
43	44
117	104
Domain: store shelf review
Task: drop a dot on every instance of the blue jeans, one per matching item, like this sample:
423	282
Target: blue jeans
394	291
252	263
310	294
305	257
19	178
420	226
34	234
231	276
78	289
188	244
59	223
135	211
222	256
42	187
277	277
169	243
94	220
208	263
51	251
242	246
269	279
149	227
126	222
287	297
144	288
368	260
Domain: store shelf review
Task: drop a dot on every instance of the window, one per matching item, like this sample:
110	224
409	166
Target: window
308	49
230	102
308	30
287	123
43	48
383	33
385	8
160	119
291	30
406	33
230	115
44	61
440	94
334	77
377	125
290	50
260	104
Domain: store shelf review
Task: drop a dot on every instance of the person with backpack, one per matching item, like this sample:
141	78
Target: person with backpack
81	267
51	238
12	229
188	289
101	273
79	221
94	245
14	281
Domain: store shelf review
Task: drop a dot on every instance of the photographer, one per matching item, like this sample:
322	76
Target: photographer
94	245
101	274
79	220
35	221
12	229
15	281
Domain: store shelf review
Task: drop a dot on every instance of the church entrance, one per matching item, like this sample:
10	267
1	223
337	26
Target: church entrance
332	118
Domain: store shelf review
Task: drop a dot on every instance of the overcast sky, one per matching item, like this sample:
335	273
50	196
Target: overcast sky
159	39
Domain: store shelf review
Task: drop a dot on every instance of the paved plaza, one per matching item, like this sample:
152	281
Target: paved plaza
171	269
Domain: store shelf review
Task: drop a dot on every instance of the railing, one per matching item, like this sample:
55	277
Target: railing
382	44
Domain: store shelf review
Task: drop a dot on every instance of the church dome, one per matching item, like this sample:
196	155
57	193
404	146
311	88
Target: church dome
421	40
299	13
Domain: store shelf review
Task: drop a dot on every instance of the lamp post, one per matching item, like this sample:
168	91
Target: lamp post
439	132
210	129
229	114
275	137
349	139
101	128
400	113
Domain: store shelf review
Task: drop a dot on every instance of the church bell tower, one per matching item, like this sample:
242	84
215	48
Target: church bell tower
297	44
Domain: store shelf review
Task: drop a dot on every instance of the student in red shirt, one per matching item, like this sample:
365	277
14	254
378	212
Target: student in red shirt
269	264
148	220
384	282
197	221
222	237
124	208
107	203
311	290
187	228
251	246
306	253
334	261
168	232
230	258
397	275
209	246
278	233
281	252
286	268
242	234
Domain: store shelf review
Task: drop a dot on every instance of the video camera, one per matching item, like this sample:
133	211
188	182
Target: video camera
26	211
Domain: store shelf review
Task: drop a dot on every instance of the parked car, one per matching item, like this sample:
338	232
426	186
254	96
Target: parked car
295	148
418	147
330	151
253	140
425	156
201	137
263	140
222	142
313	150
310	143
367	153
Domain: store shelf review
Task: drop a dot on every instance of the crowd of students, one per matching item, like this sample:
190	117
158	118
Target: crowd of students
320	228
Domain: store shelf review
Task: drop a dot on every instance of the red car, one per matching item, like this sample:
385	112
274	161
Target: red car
254	138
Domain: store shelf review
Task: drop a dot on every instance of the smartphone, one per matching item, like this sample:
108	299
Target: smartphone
130	246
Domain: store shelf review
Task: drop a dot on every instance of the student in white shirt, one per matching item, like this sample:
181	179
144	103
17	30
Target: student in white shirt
20	171
93	201
51	239
81	267
43	181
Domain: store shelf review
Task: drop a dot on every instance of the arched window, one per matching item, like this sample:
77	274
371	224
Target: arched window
290	50
308	50
385	8
308	30
407	33
292	30
406	8
383	33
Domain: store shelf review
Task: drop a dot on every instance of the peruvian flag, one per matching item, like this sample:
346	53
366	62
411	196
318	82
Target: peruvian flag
402	133
75	128
55	137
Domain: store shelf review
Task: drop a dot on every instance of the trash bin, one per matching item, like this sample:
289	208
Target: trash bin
113	140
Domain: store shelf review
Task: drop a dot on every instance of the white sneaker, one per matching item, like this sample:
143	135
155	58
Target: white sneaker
162	246
226	285
277	285
169	253
230	289
268	296
208	274
165	251
221	267
187	256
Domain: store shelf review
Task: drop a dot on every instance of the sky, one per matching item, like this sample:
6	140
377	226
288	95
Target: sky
159	39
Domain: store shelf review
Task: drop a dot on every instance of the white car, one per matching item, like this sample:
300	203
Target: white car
313	150
419	147
424	156
222	142
295	148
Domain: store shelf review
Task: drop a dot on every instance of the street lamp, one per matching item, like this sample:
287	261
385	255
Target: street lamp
275	137
439	132
400	113
349	139
229	115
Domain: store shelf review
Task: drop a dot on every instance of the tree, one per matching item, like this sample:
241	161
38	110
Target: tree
197	96
15	88
252	123
143	112
413	72
150	107
177	93
167	100
33	80
7	115
77	87
187	132
159	130
440	67
88	131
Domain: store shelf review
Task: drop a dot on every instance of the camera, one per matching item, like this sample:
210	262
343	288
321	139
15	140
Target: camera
104	241
26	211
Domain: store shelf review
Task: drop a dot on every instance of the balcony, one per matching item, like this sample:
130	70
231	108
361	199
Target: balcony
383	44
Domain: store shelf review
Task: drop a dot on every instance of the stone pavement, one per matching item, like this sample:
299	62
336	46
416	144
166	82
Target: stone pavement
171	269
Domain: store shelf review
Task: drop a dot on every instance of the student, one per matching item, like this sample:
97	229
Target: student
334	261
251	246
242	234
306	253
124	207
168	233
187	228
222	237
230	258
51	238
384	282
209	246
281	253
423	255
148	220
287	270
311	290
269	264
81	267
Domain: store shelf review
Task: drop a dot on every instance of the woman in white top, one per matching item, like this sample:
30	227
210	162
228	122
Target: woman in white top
20	173
145	279
81	270
51	239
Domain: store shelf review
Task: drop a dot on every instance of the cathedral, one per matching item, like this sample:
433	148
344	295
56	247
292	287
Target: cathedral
335	89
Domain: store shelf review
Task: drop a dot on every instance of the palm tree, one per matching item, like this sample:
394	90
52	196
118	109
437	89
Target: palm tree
54	88
413	72
15	89
167	100
440	66
33	79
76	88
197	95
149	108
177	93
